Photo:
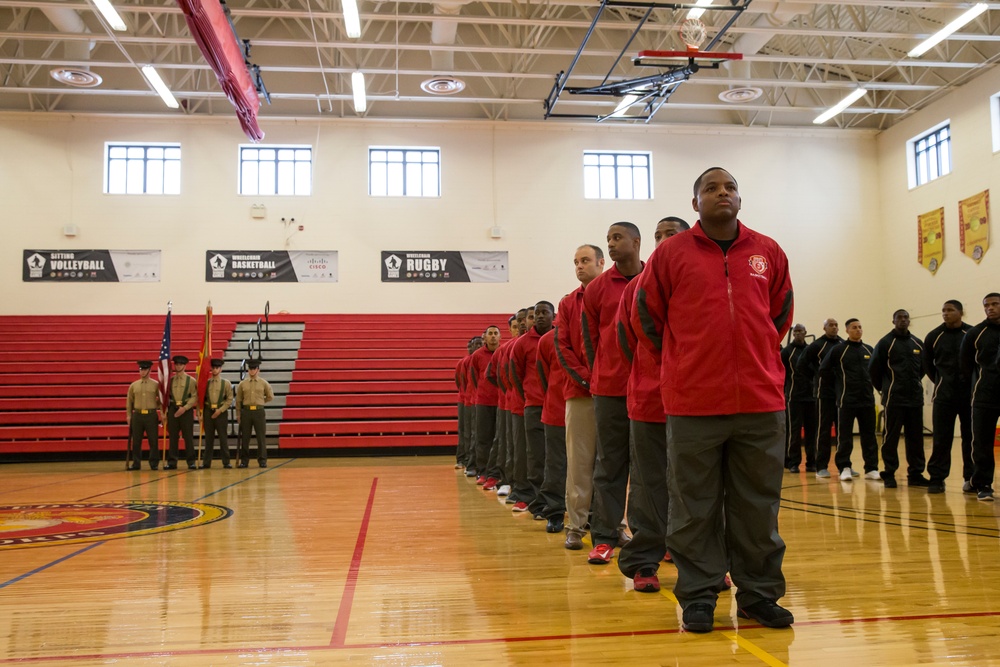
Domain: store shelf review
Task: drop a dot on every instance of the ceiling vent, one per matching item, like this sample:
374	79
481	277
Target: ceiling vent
80	78
740	95
443	85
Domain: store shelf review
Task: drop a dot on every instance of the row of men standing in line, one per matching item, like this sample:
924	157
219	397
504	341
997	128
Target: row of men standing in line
725	429
829	386
143	413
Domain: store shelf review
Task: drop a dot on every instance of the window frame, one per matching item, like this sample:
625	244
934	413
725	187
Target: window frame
277	162
995	120
617	170
109	146
914	153
405	172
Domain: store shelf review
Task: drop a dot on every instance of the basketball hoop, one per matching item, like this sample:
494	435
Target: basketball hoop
693	33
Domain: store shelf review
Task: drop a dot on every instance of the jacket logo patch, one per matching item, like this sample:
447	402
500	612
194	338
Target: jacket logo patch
758	263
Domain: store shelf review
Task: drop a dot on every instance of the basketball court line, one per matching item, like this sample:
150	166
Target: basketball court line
339	637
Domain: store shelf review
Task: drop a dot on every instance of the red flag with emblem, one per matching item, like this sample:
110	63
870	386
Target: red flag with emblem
205	357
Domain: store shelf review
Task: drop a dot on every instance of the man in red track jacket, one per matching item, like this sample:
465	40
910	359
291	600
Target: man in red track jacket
485	399
716	302
609	381
581	429
552	379
640	559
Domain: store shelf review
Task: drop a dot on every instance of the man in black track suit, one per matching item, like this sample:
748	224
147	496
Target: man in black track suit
826	399
979	361
800	405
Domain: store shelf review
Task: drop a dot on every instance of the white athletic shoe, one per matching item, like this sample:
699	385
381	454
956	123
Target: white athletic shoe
504	490
846	475
872	474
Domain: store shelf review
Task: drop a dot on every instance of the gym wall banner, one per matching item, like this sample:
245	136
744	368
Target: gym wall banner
443	266
974	225
94	266
276	266
930	239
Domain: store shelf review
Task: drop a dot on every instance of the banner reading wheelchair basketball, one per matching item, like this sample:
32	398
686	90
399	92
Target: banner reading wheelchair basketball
95	266
278	266
443	266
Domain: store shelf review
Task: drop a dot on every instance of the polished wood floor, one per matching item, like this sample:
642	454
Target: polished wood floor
404	561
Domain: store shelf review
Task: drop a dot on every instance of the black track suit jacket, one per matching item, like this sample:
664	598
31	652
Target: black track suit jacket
896	369
807	364
942	365
980	356
798	386
846	368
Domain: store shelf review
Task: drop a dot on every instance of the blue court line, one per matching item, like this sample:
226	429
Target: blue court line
87	548
48	565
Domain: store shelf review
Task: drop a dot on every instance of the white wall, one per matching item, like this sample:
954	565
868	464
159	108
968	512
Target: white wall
975	168
816	192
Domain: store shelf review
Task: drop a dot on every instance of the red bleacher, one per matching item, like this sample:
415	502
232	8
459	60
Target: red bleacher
377	381
360	381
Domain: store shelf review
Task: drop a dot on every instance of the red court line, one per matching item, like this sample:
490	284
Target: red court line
339	638
278	650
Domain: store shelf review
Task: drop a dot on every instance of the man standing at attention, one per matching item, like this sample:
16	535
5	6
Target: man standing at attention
951	398
215	416
251	395
800	405
826	399
141	407
845	368
581	429
979	362
609	385
180	414
725	413
897	368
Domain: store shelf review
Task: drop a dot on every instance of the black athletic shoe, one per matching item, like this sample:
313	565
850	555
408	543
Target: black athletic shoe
918	481
935	487
698	617
242	464
554	525
768	613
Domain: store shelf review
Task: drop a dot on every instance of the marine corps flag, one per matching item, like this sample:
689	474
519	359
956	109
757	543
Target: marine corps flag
205	357
930	241
974	225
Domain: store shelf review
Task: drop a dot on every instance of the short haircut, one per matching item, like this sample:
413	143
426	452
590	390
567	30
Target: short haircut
598	253
511	319
697	181
901	310
492	326
848	322
957	304
531	307
547	303
633	231
683	224
991	294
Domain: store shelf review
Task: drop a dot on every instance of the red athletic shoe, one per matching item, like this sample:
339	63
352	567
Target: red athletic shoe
645	581
601	554
490	484
728	583
480	480
519	506
667	558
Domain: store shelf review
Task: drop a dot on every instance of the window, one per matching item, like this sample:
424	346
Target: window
142	169
275	170
404	172
616	175
929	155
995	119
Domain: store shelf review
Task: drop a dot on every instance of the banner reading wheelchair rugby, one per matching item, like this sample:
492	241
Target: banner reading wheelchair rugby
276	266
95	266
443	266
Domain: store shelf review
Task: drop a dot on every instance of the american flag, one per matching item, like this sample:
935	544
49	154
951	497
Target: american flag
163	369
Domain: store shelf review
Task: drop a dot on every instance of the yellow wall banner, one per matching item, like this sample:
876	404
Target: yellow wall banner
974	225
930	242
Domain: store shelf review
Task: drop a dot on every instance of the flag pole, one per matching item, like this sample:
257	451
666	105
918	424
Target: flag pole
166	383
204	357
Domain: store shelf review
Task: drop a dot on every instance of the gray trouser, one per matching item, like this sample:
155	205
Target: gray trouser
647	499
519	487
581	445
553	491
724	477
611	468
486	420
460	449
495	463
534	433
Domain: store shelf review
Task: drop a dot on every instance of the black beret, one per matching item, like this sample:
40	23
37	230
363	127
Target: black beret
180	359
253	363
216	363
145	365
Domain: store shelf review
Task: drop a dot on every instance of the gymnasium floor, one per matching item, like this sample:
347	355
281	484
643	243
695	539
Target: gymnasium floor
405	561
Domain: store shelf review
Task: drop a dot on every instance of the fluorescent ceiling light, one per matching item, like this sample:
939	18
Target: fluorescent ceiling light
697	11
941	34
358	84
110	15
623	106
352	21
161	88
840	106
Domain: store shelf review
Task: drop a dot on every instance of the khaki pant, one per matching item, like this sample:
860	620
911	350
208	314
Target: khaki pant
581	449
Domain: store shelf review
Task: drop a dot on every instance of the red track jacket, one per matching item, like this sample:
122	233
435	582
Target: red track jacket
600	334
552	378
569	345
